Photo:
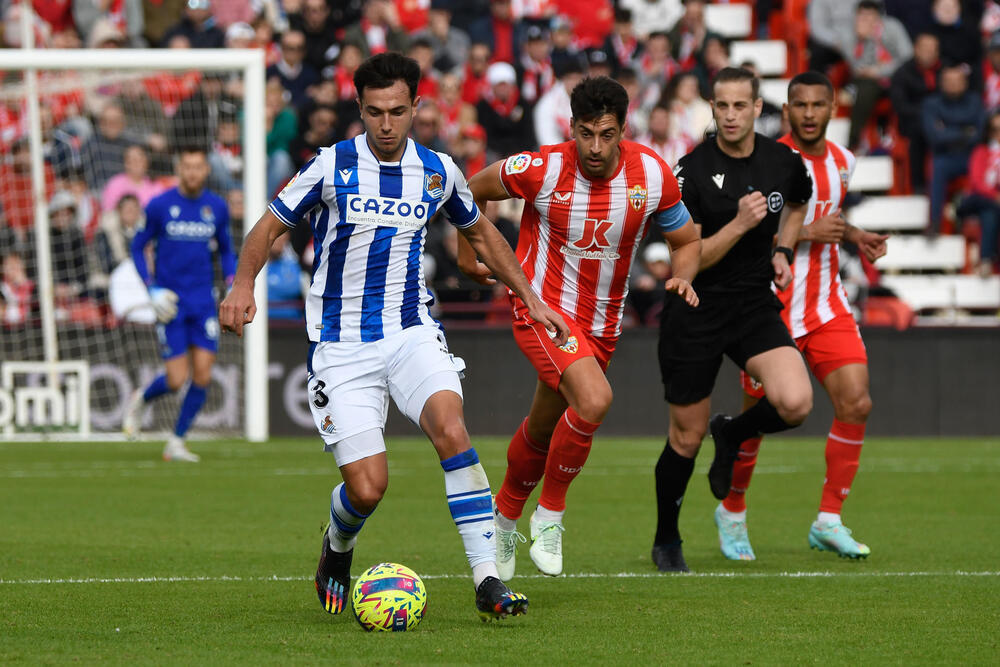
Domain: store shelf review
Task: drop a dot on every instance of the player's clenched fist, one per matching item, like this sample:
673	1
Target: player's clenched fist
828	229
237	309
752	209
683	289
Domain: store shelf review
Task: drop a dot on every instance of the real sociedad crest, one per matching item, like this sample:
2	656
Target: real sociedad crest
175	211
206	214
432	186
637	197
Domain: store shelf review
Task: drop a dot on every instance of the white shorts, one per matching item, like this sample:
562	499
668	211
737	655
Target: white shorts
350	384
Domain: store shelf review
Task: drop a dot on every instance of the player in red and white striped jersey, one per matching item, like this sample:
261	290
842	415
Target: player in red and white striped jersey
819	318
588	204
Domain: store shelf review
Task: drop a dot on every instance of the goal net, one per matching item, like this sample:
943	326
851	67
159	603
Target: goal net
101	131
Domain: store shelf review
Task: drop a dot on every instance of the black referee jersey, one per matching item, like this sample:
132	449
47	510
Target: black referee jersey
712	184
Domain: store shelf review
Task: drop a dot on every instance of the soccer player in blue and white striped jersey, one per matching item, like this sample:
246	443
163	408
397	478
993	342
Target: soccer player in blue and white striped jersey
368	201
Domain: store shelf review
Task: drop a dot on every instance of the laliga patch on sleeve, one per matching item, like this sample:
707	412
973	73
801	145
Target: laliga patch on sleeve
515	164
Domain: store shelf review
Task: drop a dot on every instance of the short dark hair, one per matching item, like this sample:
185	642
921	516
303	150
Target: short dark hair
385	69
192	148
596	96
810	78
727	74
873	5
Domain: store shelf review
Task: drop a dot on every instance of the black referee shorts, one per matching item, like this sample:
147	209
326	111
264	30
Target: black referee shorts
693	340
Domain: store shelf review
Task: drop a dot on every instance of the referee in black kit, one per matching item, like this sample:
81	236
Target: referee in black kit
742	188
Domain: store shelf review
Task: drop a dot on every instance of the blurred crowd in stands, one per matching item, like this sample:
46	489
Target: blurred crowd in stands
923	75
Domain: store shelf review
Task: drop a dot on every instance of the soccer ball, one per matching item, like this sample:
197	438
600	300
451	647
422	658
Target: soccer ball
389	597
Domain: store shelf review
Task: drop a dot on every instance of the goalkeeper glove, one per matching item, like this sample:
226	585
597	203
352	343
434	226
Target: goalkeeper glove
164	303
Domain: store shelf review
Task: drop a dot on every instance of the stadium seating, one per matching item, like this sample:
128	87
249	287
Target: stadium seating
918	253
891	214
874	173
730	21
770	56
946	292
774	91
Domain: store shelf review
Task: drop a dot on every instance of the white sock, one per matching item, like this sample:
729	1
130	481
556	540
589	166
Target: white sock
503	523
828	517
733	516
471	504
345	521
543	514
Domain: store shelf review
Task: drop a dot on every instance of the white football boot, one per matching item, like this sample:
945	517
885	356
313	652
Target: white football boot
506	551
132	421
546	546
177	451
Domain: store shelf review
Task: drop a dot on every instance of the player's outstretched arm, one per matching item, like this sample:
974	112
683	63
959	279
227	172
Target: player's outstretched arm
789	229
238	308
485	186
685	257
871	245
485	240
752	209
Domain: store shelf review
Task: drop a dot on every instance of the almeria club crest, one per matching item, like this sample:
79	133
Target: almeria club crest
637	197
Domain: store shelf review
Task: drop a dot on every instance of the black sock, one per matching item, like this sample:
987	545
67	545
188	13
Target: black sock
757	419
672	474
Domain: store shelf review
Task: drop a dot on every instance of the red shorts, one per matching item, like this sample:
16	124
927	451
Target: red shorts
551	361
834	345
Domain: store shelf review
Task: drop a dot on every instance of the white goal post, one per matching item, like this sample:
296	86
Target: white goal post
250	63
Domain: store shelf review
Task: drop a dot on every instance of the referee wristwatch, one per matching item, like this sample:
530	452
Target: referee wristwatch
786	251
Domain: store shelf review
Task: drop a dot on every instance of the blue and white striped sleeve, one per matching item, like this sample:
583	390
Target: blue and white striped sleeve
459	207
302	193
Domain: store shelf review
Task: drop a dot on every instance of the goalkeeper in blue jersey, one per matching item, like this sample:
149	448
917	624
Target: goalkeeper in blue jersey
187	224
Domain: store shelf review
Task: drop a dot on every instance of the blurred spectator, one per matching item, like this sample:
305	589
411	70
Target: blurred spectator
284	283
197	118
770	122
474	82
230	12
640	102
535	66
16	290
656	65
318	26
378	30
198	25
598	63
474	19
990	22
159	16
226	156
472	149
984	193
264	39
88	207
58	14
690	115
911	84
295	75
144	117
114	237
552	113
503	31
564	53
991	83
134	180
427	126
421	50
688	35
125	16
592	21
828	21
450	44
953	123
412	14
345	13
502	114
106	35
651	15
646	291
622	45
240	35
874	48
104	153
62	144
659	139
320	125
958	34
455	113
15	188
714	56
281	126
69	252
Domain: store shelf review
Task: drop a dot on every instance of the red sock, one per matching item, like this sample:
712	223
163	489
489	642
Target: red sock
843	451
525	466
568	451
736	501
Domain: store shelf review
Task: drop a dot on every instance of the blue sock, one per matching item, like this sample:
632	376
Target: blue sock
193	400
158	387
345	521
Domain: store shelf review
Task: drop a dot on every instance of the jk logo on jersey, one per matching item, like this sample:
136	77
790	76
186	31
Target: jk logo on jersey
593	243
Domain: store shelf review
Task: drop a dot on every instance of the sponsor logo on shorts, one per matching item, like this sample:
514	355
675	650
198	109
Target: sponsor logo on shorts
327	425
517	163
433	187
571	346
775	201
386	212
637	197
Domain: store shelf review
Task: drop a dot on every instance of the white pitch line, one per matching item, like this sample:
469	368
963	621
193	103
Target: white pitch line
575	575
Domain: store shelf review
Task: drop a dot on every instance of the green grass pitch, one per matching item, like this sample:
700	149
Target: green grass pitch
107	554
